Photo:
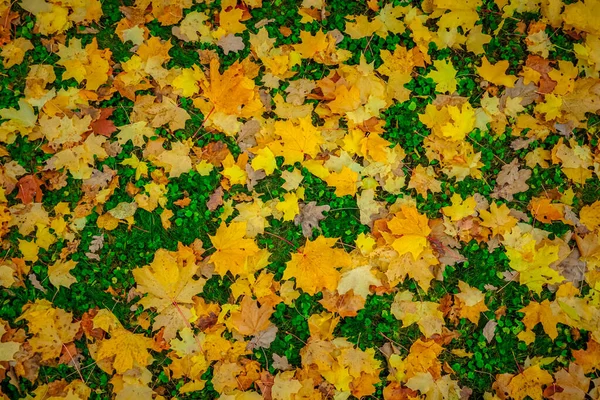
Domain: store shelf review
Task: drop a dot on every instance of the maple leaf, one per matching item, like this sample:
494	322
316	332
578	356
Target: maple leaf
255	215
285	386
232	93
569	384
511	180
289	206
460	209
232	249
251	319
358	280
412	229
309	217
496	73
590	215
169	285
425	314
529	383
368	206
444	76
345	182
13	53
533	265
423	179
471	302
443	387
125	350
314	266
346	305
417	269
498	219
588	359
30	189
546	313
52	328
231	44
135	132
298	139
423	357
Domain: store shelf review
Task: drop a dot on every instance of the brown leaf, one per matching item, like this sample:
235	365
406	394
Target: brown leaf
215	199
489	330
309	217
542	66
573	268
280	362
528	93
263	339
265	384
251	319
103	126
346	305
29	189
511	180
231	44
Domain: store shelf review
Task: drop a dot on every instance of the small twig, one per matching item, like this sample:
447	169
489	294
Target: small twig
290	333
187	323
393	341
74	363
281	238
203	122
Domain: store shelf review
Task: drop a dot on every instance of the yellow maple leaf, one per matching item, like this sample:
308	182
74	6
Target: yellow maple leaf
358	280
423	357
29	250
460	209
589	358
345	182
496	73
546	313
232	93
52	328
470	302
444	76
411	230
265	160
498	219
590	216
461	124
551	107
314	266
423	179
417	269
168	280
232	249
285	386
188	81
534	265
13	53
126	350
529	383
425	314
136	132
298	139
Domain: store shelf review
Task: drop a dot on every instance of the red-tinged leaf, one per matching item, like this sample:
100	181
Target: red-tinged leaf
29	189
103	126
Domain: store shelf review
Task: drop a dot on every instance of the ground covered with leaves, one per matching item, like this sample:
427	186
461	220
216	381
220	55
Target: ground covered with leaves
316	199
